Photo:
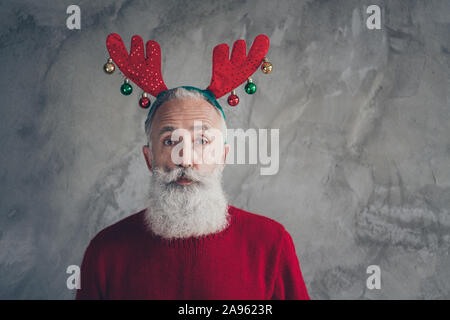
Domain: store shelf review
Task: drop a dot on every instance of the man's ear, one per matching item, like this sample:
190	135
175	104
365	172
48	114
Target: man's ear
225	153
148	156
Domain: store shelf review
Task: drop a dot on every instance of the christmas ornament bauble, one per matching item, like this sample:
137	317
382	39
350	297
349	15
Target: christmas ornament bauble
250	87
126	88
109	67
267	67
144	101
233	99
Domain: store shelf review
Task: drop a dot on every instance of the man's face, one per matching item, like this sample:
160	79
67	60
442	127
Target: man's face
176	142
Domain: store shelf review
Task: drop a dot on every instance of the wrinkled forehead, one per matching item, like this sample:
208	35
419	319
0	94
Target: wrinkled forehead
185	113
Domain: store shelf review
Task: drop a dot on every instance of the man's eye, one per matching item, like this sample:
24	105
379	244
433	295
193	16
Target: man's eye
168	142
202	140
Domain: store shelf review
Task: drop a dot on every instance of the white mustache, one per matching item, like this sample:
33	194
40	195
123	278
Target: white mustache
188	173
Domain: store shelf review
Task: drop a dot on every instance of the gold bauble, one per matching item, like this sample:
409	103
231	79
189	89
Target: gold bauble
267	67
109	67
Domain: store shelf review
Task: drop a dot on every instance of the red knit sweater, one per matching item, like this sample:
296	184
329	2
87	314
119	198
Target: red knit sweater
253	258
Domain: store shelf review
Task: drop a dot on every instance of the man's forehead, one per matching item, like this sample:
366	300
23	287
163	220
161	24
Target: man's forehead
198	125
187	113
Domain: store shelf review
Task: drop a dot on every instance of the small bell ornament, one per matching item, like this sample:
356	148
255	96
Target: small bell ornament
266	67
109	66
144	101
250	87
233	99
126	88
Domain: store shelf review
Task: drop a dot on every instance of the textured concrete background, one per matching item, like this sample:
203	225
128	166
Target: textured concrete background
364	119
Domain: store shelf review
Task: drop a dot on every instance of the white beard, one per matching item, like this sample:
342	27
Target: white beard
182	211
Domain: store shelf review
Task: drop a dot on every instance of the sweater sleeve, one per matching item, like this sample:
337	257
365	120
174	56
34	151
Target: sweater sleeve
289	284
90	280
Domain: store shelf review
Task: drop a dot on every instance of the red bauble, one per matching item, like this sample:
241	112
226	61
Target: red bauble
233	100
144	102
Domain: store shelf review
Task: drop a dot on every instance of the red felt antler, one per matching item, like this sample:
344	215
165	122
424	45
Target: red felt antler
144	70
228	74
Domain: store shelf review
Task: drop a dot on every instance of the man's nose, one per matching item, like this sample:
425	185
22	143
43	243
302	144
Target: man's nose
186	154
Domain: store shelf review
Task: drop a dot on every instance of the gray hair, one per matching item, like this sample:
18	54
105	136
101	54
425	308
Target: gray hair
178	93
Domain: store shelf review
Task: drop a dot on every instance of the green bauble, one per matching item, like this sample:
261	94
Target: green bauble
126	89
250	88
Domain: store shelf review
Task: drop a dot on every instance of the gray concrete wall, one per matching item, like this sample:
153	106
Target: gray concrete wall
364	119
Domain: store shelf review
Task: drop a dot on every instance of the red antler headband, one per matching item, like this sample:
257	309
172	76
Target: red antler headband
144	69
